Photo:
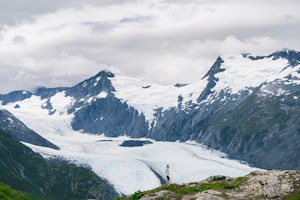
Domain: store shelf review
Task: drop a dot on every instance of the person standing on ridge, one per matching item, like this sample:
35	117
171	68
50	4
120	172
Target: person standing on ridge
167	173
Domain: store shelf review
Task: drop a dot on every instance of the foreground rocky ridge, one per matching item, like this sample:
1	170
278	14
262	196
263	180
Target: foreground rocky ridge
257	185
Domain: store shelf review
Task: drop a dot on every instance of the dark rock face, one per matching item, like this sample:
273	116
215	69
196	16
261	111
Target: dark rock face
112	117
263	130
216	68
19	131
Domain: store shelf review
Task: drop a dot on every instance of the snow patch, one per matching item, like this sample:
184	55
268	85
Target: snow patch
89	100
97	80
102	95
61	102
10	120
84	84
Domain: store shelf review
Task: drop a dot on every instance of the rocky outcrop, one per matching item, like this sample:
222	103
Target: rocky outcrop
257	185
260	185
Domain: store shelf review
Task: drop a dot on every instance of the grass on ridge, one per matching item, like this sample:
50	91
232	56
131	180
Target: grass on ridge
7	193
191	188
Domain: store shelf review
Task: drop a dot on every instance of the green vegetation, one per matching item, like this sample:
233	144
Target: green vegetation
294	196
7	193
216	184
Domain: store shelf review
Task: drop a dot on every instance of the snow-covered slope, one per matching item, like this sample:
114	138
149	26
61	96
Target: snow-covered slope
241	72
146	98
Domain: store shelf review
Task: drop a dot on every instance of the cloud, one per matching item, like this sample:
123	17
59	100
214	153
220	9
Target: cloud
59	43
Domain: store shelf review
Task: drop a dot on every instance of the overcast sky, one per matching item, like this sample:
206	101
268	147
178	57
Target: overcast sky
62	42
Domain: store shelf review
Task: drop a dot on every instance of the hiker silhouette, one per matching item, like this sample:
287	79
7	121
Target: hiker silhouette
167	173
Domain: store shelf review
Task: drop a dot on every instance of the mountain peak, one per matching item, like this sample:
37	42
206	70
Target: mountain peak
104	73
216	68
94	85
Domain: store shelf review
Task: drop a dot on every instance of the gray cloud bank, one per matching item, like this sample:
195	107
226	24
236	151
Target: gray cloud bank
59	43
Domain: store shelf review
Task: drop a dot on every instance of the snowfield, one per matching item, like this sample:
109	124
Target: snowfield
128	169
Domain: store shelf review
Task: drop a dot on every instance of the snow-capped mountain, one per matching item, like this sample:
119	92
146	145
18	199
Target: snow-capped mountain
246	106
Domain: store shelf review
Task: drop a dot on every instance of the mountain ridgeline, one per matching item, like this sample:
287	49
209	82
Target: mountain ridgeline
246	106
